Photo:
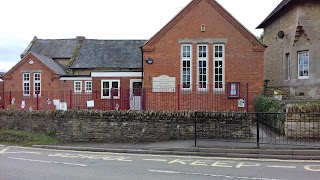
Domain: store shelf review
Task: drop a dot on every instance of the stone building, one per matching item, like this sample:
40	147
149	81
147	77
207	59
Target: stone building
292	37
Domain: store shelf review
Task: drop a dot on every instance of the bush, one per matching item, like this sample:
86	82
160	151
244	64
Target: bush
267	104
268	111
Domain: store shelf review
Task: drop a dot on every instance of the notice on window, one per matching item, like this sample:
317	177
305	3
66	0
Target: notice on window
164	83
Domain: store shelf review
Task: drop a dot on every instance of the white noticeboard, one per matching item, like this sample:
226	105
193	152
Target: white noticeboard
63	106
90	103
241	103
164	83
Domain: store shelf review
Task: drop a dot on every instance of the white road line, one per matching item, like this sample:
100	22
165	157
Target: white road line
22	152
4	150
285	167
177	156
212	175
50	162
157	160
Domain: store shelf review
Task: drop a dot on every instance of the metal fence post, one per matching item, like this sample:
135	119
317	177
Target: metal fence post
37	92
258	131
178	92
111	100
195	129
247	96
10	98
70	99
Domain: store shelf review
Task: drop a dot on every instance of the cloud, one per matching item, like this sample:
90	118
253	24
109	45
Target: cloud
10	50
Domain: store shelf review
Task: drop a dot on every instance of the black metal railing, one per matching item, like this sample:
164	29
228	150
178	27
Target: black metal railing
300	129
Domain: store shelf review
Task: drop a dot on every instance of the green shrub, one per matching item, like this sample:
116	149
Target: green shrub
269	112
267	104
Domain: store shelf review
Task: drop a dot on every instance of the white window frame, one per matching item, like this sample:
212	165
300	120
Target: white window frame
109	89
306	54
88	86
35	81
77	86
186	58
202	59
24	81
219	59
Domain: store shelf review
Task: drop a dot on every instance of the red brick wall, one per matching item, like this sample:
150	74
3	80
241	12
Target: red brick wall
241	62
79	100
1	94
13	84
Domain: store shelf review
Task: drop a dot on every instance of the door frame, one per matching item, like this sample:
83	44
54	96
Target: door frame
131	91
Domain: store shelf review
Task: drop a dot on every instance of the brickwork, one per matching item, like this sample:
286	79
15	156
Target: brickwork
242	62
300	24
14	78
1	94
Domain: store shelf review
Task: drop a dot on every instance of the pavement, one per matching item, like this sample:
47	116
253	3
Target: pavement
203	148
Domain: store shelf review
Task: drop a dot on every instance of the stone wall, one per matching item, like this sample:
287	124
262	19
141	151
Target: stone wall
123	126
303	122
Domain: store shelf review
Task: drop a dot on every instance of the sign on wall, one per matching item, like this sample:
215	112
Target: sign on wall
163	83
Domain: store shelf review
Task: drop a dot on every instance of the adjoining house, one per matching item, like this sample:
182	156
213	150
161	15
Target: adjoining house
291	34
203	59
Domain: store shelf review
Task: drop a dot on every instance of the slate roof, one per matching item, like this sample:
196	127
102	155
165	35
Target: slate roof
275	12
55	48
51	64
109	54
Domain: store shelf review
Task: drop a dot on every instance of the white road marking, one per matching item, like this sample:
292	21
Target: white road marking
157	160
4	150
314	168
177	156
212	175
50	162
22	152
285	167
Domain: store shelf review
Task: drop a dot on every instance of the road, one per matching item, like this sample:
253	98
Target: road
18	163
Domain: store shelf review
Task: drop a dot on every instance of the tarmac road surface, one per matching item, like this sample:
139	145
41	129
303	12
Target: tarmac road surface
19	163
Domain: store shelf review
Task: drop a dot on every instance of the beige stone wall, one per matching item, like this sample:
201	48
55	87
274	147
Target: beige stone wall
306	15
303	122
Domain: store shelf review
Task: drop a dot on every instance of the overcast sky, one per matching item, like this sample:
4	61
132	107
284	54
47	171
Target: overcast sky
21	20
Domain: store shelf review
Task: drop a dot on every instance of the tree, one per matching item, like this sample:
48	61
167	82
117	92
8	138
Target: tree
261	37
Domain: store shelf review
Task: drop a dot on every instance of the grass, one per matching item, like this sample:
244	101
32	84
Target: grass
23	138
302	103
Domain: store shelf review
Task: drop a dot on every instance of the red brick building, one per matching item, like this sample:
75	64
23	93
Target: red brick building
1	90
208	52
203	59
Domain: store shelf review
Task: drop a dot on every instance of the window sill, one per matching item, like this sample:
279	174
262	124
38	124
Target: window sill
303	78
108	98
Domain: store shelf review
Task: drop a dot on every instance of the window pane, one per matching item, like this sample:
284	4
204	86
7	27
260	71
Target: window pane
105	84
106	92
115	84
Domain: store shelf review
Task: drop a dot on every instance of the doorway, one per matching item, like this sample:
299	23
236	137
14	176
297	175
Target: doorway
135	94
